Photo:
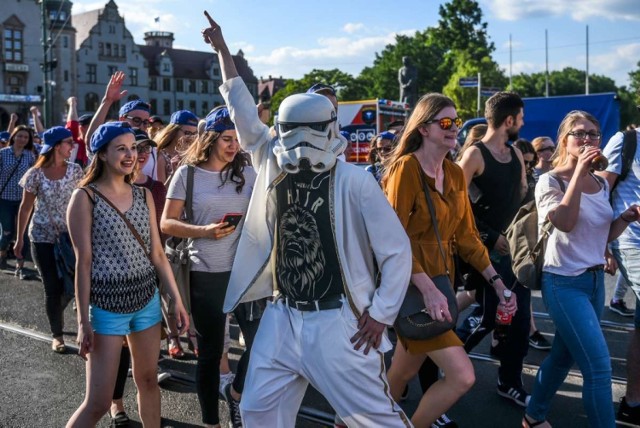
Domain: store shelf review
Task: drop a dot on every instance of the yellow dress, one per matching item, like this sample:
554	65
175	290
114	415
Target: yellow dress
404	190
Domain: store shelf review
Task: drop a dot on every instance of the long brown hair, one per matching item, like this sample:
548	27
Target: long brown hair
167	136
561	154
44	160
96	169
200	151
426	109
28	130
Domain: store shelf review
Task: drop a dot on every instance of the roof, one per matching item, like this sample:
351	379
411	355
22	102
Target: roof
83	23
188	64
271	86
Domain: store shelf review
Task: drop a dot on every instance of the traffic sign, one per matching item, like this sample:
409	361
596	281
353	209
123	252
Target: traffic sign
468	82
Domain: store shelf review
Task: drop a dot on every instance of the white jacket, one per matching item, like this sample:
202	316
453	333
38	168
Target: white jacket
363	222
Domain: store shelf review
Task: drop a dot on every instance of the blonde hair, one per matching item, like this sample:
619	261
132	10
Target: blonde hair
475	134
561	155
538	142
167	136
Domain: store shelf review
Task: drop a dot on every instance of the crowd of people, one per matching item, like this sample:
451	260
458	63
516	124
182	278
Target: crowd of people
313	256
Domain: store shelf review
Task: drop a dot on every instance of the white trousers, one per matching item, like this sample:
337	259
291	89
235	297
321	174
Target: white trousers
294	348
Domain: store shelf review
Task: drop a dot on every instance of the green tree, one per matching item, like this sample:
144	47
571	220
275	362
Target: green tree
460	29
569	81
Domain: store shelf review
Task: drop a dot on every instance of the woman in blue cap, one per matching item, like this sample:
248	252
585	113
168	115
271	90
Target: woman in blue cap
47	188
15	160
174	139
222	184
119	261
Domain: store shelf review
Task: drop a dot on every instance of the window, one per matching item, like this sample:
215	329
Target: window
12	45
179	85
133	76
205	86
166	85
111	69
65	41
166	107
205	108
179	105
153	103
91	74
91	102
112	29
192	106
153	85
100	48
166	67
107	51
15	84
192	86
116	50
216	72
123	51
66	75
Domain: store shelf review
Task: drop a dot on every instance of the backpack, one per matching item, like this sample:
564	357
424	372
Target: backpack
629	145
526	247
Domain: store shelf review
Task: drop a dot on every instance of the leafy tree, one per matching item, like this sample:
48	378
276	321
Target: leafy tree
466	99
569	81
634	87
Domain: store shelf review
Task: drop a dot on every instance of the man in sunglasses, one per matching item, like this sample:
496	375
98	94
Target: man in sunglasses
313	226
496	175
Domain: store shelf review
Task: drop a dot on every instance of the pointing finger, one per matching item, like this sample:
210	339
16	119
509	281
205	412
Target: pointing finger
211	21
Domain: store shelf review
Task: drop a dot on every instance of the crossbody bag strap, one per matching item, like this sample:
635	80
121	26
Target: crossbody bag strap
126	221
434	219
188	203
13	171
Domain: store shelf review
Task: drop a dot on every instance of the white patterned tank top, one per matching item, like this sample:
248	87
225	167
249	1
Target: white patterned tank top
123	280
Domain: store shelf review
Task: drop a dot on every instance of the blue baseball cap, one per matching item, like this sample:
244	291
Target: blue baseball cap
5	136
321	87
134	105
386	135
219	121
107	132
54	136
184	117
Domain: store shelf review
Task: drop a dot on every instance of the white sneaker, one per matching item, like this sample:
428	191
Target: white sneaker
162	376
225	379
241	340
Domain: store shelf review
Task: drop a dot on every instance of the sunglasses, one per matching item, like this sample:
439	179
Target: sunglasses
144	148
546	149
137	121
446	122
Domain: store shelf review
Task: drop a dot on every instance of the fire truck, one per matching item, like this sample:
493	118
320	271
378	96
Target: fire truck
363	120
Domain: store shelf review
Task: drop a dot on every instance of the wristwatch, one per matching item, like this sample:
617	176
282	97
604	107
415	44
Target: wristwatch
494	278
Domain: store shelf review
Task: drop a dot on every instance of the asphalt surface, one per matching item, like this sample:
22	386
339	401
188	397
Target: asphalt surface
42	389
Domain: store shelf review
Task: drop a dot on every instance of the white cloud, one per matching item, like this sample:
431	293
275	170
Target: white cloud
245	46
616	63
352	27
345	53
579	10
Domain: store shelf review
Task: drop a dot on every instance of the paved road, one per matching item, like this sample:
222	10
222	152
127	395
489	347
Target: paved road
40	388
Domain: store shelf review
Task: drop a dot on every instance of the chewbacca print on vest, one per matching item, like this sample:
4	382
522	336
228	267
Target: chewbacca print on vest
307	266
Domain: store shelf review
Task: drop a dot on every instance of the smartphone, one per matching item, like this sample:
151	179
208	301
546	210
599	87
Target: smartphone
232	218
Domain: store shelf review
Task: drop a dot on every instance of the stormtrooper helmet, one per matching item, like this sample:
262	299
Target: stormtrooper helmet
307	129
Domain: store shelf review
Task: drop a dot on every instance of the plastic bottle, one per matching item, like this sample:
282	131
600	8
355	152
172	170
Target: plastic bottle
503	319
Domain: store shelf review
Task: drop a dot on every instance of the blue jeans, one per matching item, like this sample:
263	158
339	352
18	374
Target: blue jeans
575	304
629	263
8	218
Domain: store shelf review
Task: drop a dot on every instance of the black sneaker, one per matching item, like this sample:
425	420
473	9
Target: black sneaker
3	263
538	341
514	393
627	414
234	409
620	308
444	422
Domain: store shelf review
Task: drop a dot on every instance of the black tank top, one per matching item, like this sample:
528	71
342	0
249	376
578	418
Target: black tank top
498	190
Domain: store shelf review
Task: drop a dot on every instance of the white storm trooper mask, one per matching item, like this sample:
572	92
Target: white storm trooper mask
307	128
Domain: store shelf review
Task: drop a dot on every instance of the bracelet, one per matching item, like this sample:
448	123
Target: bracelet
494	278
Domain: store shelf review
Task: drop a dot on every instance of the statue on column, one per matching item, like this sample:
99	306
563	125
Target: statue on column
407	78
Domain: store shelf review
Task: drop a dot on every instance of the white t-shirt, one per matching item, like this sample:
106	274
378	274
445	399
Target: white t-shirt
151	167
210	203
570	254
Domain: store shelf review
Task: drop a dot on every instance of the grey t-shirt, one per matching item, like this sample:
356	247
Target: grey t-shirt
210	203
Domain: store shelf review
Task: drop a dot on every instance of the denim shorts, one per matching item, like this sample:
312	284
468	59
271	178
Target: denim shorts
629	263
114	324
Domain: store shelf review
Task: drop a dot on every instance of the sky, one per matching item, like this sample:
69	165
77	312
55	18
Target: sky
289	38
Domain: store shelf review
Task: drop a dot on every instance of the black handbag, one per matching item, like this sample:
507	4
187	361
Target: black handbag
64	257
413	321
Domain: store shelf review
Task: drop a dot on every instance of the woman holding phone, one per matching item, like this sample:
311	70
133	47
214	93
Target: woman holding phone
222	186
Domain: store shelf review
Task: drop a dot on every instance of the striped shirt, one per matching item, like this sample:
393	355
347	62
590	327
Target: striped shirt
627	192
210	203
12	190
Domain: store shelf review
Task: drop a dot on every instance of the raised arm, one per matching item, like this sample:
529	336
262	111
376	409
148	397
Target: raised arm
112	94
213	36
37	123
